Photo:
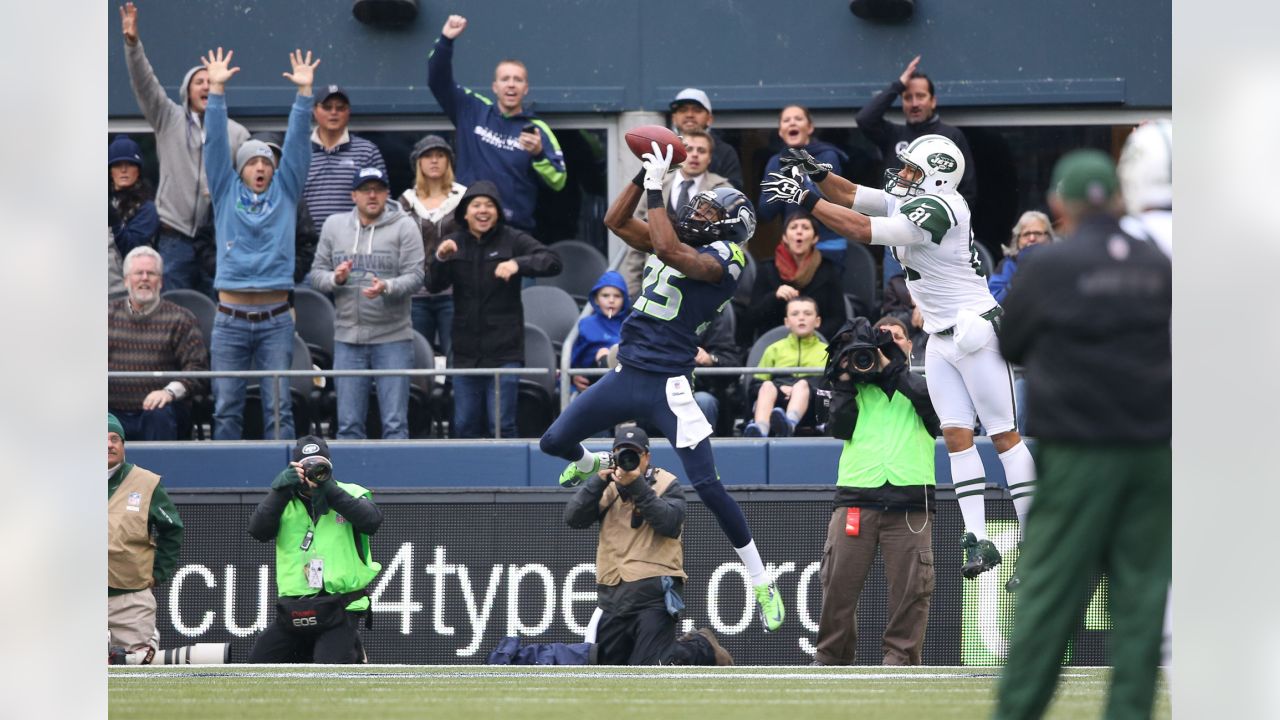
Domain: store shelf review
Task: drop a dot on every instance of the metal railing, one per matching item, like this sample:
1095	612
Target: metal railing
565	378
276	375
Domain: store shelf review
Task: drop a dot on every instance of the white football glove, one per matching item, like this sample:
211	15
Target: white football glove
656	165
782	188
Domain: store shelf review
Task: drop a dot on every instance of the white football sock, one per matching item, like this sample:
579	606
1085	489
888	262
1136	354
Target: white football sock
755	566
587	462
969	479
1020	474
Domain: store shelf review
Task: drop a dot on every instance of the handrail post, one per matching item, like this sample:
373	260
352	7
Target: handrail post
497	404
275	396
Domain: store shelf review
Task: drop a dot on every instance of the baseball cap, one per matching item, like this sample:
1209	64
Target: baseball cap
631	437
692	95
429	142
331	90
309	446
369	174
1085	175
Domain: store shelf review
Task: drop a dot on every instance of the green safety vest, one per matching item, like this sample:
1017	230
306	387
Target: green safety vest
889	443
333	540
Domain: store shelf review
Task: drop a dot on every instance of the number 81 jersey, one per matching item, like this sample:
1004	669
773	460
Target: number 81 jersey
942	267
661	335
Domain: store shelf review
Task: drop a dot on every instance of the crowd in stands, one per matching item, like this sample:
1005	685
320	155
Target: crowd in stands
249	221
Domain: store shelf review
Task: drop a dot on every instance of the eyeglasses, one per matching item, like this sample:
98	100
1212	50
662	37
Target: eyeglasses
1033	234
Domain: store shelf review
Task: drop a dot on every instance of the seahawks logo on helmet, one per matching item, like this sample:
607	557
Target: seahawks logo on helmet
941	162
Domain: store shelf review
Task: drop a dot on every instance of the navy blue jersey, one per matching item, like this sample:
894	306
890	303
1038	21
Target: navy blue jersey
662	333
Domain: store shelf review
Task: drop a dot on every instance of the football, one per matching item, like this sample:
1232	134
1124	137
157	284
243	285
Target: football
641	140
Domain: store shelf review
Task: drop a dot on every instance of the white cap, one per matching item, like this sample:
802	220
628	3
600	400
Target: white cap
692	95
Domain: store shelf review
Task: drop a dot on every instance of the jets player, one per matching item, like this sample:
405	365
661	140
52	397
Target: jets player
922	219
1146	181
689	278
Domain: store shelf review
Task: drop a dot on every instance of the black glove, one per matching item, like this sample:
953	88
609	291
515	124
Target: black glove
798	160
783	188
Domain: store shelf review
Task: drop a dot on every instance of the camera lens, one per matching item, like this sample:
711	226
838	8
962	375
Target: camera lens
627	459
864	359
317	469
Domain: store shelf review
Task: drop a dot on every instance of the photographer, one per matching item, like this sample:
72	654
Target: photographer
321	528
884	494
639	561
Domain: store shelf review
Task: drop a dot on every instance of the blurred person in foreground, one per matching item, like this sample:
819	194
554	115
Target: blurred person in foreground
1089	319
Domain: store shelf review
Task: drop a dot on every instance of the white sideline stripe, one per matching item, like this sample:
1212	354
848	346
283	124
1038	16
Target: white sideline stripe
833	674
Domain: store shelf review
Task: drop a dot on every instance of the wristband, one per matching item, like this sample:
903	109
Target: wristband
639	179
655	199
809	200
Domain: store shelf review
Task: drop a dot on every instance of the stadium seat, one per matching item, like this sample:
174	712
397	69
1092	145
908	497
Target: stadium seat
582	267
552	310
315	319
537	401
200	305
860	281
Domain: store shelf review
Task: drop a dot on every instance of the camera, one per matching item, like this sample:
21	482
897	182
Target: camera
627	458
317	469
854	353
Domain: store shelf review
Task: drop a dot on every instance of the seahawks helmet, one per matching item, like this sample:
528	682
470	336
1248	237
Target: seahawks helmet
720	214
1146	167
938	166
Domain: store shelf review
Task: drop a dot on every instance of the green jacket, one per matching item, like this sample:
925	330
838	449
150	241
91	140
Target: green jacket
792	351
162	517
340	519
888	461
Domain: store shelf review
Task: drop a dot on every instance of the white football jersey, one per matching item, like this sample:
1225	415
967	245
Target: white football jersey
1153	225
931	236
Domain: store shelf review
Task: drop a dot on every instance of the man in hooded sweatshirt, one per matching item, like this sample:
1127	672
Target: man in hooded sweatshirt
602	329
371	259
182	199
256	211
483	262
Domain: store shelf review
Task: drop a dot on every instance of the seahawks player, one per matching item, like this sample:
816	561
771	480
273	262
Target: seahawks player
689	278
922	219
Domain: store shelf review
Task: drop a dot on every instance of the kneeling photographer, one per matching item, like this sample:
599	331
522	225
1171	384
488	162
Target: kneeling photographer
884	493
321	528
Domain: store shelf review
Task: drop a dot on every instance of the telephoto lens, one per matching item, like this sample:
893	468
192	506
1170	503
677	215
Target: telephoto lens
317	469
627	459
863	360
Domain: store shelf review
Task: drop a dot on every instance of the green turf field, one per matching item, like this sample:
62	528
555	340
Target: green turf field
560	693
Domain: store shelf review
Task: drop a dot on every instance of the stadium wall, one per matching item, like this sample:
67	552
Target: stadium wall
617	56
462	569
495	464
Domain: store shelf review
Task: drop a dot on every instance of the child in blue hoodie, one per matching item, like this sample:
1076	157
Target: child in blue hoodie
602	329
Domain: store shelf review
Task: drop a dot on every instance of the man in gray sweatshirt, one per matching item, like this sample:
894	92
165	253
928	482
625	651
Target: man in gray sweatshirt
182	198
371	259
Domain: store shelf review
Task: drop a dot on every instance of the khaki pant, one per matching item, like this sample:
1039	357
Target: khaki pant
131	620
908	564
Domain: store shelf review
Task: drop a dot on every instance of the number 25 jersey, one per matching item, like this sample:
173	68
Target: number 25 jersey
672	311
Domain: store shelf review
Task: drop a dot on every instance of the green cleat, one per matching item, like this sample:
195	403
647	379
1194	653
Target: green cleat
980	556
1011	585
771	610
573	477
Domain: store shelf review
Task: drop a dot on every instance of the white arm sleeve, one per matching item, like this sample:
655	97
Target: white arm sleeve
896	230
873	202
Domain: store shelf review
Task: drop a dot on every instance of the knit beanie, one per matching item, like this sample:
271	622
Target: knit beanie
124	149
114	426
252	149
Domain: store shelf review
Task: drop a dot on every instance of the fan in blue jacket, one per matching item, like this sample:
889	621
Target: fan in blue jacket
602	329
795	127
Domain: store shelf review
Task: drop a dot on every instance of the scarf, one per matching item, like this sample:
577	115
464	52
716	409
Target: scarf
792	271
